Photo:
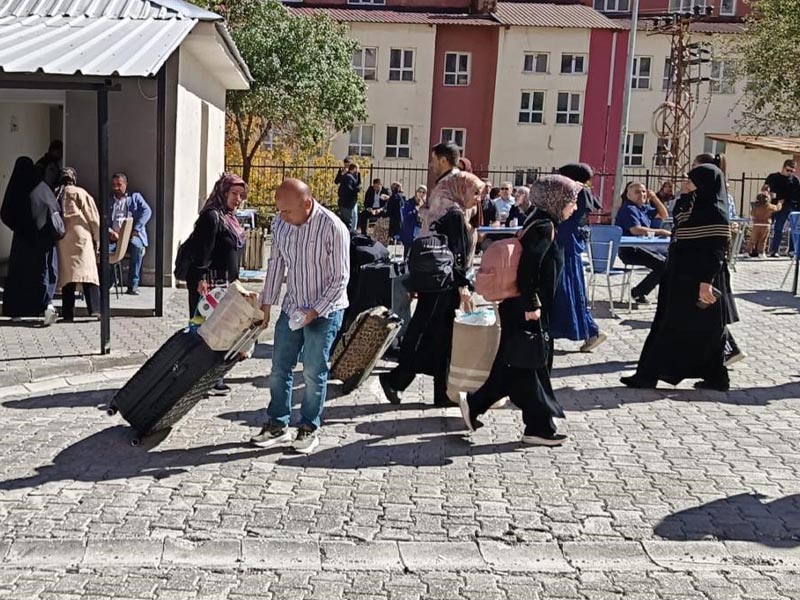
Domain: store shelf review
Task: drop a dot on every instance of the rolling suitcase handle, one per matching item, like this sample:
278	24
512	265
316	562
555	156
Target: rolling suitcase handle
244	341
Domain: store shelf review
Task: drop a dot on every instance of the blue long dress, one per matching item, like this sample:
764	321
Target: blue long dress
570	317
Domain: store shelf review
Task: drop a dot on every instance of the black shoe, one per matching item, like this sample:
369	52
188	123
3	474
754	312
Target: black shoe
632	381
442	402
774	255
717	387
640	299
392	395
132	291
221	389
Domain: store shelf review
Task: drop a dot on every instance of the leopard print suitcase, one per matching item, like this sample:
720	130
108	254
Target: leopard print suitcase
363	345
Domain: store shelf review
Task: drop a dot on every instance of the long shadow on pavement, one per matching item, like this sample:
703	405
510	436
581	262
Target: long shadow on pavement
98	399
744	517
773	300
108	455
610	398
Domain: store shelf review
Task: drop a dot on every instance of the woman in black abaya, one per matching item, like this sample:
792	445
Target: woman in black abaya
32	267
687	338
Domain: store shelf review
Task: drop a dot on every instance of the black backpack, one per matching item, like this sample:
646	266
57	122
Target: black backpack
430	264
184	258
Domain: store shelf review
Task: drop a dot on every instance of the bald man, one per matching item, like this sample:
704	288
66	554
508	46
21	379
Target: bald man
311	246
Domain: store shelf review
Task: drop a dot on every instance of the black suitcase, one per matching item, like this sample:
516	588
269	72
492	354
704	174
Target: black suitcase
173	380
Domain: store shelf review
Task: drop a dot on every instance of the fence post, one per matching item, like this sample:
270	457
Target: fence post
647	179
283	170
741	201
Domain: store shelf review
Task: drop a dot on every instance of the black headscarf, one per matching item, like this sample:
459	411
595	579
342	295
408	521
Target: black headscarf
582	173
16	210
707	214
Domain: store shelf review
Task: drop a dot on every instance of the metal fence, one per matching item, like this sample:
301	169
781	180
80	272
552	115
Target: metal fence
265	179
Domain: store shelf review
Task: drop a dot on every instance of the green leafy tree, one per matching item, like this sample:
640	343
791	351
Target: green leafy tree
304	90
767	53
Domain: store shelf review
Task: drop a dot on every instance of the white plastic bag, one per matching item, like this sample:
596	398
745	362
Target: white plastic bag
237	312
483	317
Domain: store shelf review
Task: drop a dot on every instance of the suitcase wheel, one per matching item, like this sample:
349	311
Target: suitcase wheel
135	442
111	410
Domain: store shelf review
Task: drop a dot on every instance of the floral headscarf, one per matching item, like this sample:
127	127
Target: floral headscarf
218	201
457	189
552	194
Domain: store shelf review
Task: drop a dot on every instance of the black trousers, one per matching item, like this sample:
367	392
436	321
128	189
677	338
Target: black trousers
401	377
657	263
91	293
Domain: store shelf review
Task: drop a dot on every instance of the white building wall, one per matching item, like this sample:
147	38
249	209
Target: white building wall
716	113
397	102
516	144
199	143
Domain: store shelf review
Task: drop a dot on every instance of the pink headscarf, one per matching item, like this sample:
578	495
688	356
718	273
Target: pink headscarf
457	189
218	200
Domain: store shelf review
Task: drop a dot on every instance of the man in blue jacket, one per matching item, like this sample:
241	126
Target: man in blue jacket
124	205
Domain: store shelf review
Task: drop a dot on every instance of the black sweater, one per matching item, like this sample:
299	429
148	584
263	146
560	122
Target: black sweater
215	253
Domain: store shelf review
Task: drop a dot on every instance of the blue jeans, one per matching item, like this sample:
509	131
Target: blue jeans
315	340
349	216
778	221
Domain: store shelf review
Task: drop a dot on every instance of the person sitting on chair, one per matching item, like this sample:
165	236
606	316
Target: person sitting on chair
124	205
374	204
640	207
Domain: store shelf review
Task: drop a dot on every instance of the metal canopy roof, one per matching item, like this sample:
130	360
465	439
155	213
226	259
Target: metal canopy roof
129	38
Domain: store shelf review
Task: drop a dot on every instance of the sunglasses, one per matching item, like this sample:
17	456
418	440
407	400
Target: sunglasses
505	189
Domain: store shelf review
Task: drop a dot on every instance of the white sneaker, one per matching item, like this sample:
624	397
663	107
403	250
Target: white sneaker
50	316
734	358
557	439
594	342
306	441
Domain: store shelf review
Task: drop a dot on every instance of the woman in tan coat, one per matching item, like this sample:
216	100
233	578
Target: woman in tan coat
77	251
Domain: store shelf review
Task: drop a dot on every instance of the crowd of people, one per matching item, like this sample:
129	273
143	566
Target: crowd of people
689	336
56	238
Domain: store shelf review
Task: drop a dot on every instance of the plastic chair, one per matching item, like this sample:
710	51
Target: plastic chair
602	249
794	235
115	260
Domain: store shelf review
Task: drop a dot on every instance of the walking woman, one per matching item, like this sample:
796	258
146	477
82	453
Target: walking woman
687	337
427	344
77	251
33	267
571	318
218	241
521	369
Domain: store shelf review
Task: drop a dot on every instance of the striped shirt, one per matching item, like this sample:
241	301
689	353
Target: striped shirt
315	257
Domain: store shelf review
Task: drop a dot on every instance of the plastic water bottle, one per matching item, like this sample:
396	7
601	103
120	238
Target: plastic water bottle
298	319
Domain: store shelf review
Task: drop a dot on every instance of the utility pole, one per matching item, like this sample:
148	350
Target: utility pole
672	120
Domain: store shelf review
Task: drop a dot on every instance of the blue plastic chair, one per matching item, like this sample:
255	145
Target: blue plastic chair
604	242
794	235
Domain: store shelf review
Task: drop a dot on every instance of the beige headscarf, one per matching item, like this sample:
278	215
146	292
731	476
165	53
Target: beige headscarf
457	189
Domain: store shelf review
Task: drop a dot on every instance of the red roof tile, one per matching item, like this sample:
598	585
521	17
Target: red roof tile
355	15
569	16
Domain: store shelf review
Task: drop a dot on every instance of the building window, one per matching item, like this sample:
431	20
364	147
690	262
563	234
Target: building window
398	142
727	7
523	176
401	65
612	5
536	62
457	136
634	150
573	64
669	76
568	108
531	107
713	146
685	5
664	154
361	143
722	79
365	63
368	2
640	77
456	68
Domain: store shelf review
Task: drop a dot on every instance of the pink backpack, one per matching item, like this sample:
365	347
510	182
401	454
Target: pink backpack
496	279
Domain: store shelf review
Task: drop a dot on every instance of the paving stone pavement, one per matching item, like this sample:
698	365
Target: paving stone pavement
666	494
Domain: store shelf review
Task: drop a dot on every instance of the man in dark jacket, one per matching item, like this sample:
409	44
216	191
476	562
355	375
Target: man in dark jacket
374	204
349	186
